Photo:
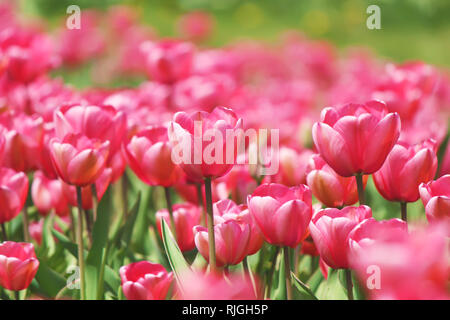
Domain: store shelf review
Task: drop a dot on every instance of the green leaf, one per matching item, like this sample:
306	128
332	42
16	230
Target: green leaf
99	241
50	282
174	255
280	293
302	288
66	243
332	288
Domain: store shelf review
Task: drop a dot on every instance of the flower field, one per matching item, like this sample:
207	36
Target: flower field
135	166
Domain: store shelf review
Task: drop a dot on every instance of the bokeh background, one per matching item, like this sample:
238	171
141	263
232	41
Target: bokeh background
411	29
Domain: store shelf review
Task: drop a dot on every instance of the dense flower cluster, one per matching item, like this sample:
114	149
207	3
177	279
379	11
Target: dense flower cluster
345	123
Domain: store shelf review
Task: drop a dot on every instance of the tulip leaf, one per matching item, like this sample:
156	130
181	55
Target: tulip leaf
332	288
303	289
66	243
174	255
50	282
280	292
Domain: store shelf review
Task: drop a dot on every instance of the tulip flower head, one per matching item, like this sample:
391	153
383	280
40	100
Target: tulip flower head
281	213
13	193
18	265
356	138
435	197
145	281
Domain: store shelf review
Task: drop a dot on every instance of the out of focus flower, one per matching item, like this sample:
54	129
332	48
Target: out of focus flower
328	187
356	138
196	25
211	286
149	155
77	159
281	213
186	216
405	168
35	228
238	183
185	131
13	193
168	61
18	265
407	267
145	281
330	229
435	196
48	195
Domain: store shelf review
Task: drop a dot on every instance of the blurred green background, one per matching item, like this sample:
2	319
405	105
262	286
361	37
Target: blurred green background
411	29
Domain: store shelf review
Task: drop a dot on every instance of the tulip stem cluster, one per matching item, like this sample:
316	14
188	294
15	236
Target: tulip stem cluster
80	243
360	186
210	223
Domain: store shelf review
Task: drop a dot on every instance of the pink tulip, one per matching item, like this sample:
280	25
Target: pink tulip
226	209
407	267
197	160
18	265
405	168
168	61
231	241
149	155
371	230
211	286
435	196
356	138
95	122
77	159
186	217
145	281
35	228
281	213
328	187
48	195
196	25
330	229
238	183
13	193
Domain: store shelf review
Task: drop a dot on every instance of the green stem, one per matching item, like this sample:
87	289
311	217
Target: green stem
360	186
4	236
198	186
87	218
26	231
210	224
17	295
349	283
170	209
287	272
404	210
80	244
272	271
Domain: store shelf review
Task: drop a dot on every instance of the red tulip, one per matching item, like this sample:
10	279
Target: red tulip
211	286
190	135
168	61
328	187
145	281
281	213
48	195
330	229
186	217
356	138
226	209
149	155
435	196
405	168
231	240
102	123
13	193
18	265
77	159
